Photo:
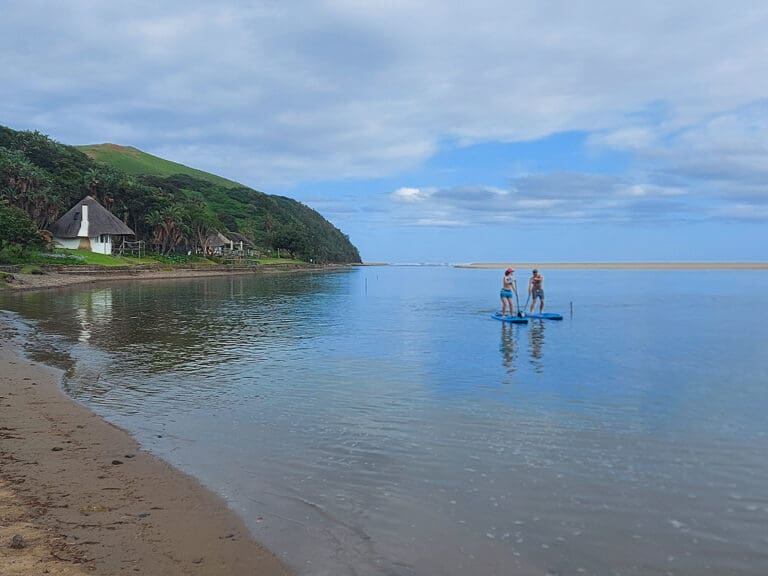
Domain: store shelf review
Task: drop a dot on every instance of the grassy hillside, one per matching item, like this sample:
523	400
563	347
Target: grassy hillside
133	161
175	209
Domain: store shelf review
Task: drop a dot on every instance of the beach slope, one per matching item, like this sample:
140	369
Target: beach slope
78	495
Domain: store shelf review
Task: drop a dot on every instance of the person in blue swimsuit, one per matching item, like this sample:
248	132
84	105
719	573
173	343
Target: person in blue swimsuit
536	290
508	289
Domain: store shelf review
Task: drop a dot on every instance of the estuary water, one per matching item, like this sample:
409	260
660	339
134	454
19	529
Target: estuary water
377	421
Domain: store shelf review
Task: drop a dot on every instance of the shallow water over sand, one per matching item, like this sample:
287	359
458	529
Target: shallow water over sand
377	421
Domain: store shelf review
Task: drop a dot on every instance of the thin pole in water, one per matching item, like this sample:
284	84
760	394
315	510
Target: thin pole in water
571	308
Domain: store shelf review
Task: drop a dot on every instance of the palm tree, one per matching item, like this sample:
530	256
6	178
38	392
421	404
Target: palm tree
200	222
167	227
24	184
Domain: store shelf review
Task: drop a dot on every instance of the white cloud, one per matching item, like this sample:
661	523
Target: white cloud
563	196
647	191
411	194
743	211
625	138
271	93
538	203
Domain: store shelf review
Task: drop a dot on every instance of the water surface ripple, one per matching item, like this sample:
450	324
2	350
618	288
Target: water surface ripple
377	422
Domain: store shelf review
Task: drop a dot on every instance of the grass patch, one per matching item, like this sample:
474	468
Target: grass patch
67	257
279	261
134	161
94	259
55	258
183	259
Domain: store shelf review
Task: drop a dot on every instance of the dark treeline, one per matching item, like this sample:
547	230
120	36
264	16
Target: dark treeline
172	214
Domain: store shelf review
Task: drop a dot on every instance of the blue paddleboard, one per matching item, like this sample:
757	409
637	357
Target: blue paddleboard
511	319
545	316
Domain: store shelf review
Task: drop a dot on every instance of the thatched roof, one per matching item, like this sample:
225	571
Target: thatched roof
217	240
237	238
100	221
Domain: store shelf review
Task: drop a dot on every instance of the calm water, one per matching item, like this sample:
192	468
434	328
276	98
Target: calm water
378	422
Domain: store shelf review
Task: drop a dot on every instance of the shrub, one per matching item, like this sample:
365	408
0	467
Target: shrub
17	233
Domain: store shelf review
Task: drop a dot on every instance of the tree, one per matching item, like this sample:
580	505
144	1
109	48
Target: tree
104	184
17	230
201	223
168	228
292	238
25	185
45	178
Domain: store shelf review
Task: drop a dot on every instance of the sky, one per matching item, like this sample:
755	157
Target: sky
433	131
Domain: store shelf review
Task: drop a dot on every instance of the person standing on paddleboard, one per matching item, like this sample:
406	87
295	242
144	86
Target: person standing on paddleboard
536	290
508	288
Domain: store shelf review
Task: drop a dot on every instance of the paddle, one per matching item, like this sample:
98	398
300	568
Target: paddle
520	313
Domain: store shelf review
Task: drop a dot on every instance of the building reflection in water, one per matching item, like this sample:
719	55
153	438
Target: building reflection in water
92	308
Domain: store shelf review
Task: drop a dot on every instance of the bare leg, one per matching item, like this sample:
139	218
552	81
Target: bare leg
541	305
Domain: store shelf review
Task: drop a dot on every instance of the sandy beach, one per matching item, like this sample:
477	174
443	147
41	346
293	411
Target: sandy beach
79	496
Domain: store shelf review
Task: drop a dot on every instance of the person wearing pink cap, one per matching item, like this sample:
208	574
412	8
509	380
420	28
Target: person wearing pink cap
508	288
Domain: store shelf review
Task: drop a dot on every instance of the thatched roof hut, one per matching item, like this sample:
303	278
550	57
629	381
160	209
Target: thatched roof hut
88	226
218	240
240	241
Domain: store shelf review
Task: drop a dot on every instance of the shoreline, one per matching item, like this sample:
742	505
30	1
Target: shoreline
60	279
83	498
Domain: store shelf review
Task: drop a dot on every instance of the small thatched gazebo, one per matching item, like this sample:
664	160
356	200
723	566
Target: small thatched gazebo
216	242
241	245
89	226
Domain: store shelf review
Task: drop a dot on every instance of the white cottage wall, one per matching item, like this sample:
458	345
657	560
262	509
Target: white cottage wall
100	247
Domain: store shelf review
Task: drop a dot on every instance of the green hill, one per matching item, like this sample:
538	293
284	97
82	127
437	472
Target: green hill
133	161
173	207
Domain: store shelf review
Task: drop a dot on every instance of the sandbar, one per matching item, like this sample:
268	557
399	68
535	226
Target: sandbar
621	265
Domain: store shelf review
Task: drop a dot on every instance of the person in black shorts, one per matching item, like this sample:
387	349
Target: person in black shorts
536	290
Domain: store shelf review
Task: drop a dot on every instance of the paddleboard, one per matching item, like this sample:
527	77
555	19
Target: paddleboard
511	319
545	316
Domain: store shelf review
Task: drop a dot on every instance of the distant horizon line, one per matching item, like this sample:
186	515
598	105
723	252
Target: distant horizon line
645	265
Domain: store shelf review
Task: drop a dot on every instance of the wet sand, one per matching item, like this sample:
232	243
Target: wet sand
78	495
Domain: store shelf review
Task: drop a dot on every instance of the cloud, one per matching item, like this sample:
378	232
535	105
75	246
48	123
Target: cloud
564	196
743	211
275	94
648	190
367	76
722	159
411	195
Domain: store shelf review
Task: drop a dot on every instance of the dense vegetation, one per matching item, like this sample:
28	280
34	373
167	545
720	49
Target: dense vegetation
17	233
171	212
